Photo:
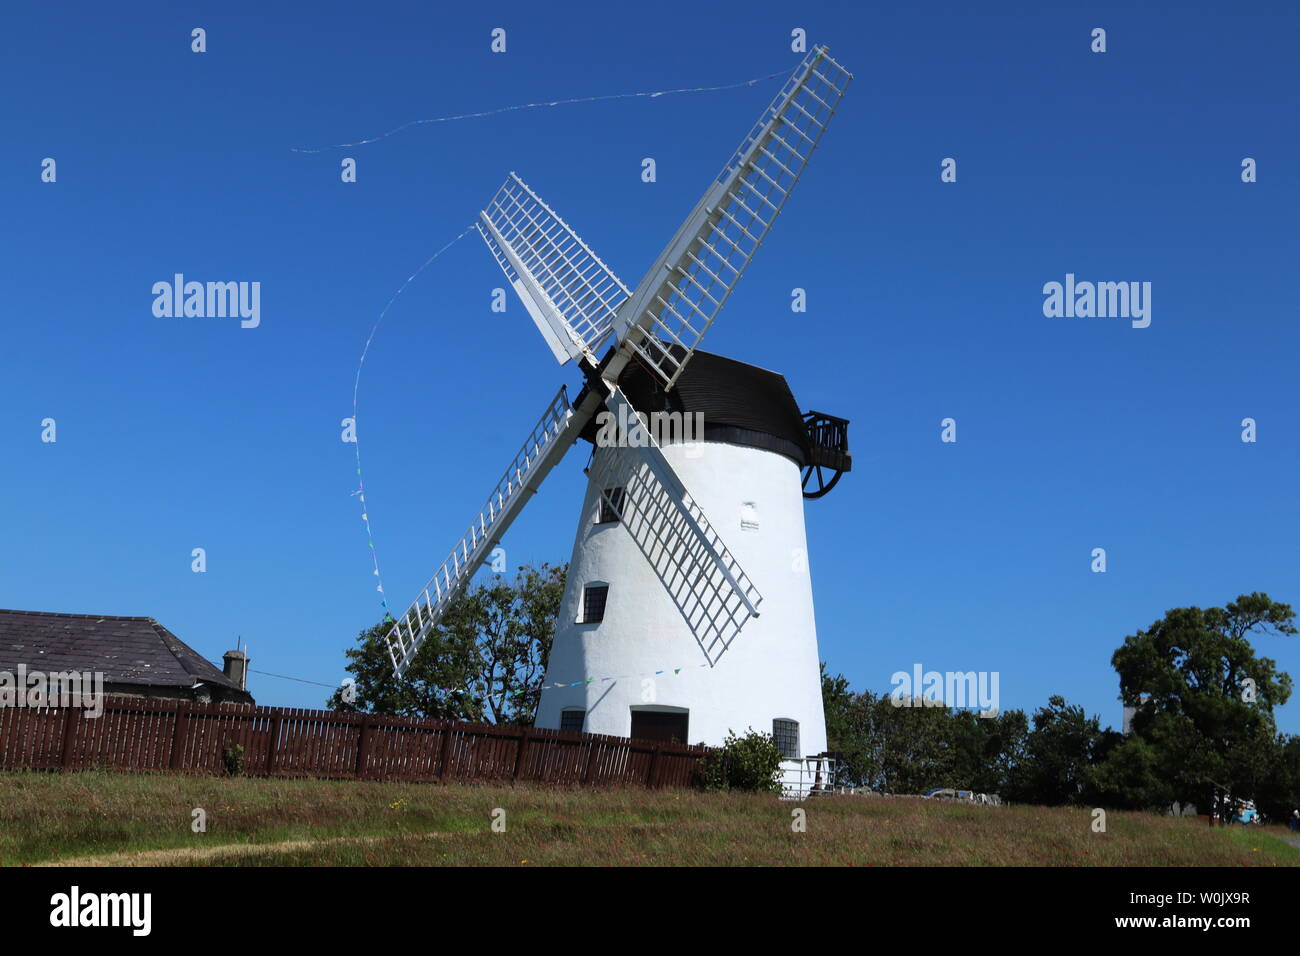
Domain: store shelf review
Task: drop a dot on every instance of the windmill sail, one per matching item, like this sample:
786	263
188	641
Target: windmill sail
705	581
570	294
556	430
682	293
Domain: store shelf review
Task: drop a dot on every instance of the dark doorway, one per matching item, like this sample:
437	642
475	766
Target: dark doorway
659	726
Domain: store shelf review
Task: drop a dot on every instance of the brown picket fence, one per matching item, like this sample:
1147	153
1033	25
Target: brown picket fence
186	737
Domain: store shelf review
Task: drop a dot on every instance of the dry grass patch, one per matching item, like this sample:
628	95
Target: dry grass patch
126	819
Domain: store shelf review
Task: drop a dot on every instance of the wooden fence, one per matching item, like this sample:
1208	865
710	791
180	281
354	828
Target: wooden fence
186	737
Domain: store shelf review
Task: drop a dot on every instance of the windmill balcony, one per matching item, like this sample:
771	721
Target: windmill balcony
828	441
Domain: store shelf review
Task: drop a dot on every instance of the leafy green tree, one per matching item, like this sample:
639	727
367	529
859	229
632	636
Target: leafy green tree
1204	701
1279	795
1128	775
911	744
904	749
989	752
485	661
845	733
1060	751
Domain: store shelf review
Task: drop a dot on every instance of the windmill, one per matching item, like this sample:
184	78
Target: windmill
681	545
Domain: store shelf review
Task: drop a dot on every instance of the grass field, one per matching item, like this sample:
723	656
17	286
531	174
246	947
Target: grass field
125	819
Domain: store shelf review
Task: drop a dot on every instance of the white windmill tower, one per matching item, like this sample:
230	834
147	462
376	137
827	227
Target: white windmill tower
649	641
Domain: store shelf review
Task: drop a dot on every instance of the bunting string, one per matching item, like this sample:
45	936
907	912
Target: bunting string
360	492
533	106
470	691
601	680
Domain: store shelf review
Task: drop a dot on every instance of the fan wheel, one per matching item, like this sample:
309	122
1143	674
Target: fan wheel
816	481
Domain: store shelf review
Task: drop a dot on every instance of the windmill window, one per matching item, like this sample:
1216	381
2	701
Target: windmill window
786	734
593	603
572	719
612	501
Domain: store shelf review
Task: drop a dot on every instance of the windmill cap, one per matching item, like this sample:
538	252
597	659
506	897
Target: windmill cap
740	404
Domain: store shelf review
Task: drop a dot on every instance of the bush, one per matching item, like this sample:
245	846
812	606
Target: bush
751	763
233	757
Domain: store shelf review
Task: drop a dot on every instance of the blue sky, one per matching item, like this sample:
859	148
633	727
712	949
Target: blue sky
924	302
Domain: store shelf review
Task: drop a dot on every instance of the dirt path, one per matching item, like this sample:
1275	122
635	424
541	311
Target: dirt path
193	856
190	856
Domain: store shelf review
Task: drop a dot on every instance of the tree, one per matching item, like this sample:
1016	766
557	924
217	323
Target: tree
485	661
1204	702
1059	755
1128	774
989	752
844	736
910	744
1279	796
906	749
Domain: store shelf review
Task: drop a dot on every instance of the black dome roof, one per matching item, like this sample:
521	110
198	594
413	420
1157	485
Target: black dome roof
741	404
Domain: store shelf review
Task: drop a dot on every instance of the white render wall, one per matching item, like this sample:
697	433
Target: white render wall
772	667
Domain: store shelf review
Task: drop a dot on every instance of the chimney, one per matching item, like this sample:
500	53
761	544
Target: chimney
1129	713
236	667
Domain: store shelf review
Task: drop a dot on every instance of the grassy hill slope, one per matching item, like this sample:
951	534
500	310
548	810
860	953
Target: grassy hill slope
127	819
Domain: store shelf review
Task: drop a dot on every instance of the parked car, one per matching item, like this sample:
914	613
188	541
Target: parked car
947	793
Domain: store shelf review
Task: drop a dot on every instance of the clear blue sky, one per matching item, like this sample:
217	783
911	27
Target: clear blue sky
924	302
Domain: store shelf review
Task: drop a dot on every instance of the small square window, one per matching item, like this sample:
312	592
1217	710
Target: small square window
612	501
786	734
593	603
572	719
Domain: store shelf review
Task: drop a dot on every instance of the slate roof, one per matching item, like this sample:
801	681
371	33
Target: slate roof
127	650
